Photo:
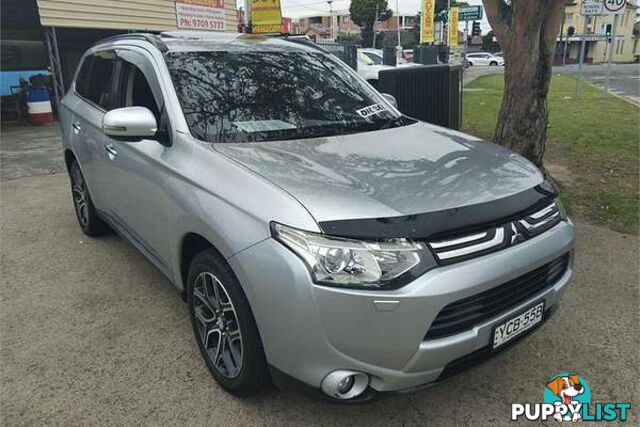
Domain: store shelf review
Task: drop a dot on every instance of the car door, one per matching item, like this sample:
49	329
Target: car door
93	90
136	169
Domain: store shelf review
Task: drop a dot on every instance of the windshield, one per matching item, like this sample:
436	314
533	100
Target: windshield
267	96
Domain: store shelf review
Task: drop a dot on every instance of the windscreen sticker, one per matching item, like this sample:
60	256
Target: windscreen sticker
251	126
371	110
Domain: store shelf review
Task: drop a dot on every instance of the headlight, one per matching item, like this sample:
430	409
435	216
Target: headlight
336	261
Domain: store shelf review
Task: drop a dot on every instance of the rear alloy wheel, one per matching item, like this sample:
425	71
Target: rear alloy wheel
493	64
90	223
224	326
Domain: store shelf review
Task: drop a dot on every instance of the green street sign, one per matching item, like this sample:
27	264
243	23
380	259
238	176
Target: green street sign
470	13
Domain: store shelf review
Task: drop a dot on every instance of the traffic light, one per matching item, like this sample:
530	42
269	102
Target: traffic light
476	29
571	31
607	32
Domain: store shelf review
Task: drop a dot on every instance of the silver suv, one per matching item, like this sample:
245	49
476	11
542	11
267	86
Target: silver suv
322	240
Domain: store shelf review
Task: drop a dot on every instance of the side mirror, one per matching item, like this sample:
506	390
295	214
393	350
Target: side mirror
390	99
130	123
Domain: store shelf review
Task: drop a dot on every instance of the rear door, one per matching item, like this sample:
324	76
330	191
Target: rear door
136	170
93	87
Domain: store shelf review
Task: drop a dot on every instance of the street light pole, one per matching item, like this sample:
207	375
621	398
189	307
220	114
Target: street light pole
449	29
374	28
610	53
330	2
398	16
583	43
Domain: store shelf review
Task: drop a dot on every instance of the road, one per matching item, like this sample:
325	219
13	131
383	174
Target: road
624	78
90	333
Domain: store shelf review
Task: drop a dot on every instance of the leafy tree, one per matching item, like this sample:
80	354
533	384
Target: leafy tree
526	31
441	5
363	13
488	44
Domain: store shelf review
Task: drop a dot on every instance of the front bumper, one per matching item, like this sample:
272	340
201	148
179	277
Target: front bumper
309	331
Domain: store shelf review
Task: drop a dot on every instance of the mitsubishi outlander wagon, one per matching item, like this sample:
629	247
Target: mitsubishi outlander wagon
322	240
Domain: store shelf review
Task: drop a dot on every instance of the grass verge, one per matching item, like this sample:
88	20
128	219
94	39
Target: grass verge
596	141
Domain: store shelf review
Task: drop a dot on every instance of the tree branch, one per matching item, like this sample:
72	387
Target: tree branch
499	16
551	23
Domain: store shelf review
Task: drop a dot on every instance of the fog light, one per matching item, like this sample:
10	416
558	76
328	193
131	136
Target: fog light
345	385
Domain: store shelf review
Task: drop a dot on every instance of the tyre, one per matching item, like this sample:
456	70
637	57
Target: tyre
470	64
88	219
224	326
493	64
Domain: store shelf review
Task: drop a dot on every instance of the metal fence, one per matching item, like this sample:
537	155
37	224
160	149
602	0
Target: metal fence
432	93
347	52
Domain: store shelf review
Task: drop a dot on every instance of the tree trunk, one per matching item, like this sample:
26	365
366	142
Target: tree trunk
367	35
526	30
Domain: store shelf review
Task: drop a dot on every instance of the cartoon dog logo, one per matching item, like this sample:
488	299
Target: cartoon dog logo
566	388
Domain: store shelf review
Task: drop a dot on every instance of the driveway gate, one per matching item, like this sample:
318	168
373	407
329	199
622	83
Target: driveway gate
432	93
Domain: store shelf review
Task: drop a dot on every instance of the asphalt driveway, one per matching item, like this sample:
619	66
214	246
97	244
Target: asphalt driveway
91	334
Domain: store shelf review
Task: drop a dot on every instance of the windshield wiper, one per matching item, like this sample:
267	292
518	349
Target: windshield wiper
394	122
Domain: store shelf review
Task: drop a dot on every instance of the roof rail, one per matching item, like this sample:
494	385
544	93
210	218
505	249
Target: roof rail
148	37
303	40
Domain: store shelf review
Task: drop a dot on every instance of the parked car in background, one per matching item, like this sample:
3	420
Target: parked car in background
483	58
499	54
370	63
376	56
369	68
322	240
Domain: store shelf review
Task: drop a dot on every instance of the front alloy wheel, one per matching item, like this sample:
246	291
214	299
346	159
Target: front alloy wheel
217	324
224	326
79	193
89	220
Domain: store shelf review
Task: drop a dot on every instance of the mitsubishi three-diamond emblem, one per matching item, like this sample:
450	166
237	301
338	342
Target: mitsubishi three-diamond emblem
516	234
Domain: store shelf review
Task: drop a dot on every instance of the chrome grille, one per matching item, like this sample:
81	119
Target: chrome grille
475	244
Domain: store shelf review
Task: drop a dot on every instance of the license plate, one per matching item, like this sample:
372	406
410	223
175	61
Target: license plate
518	324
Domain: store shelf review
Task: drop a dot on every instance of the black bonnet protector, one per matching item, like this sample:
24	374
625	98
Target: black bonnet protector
447	222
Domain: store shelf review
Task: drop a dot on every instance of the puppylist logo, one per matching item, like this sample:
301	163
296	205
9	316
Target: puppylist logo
567	397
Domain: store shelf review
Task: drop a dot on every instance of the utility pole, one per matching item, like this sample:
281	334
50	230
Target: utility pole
583	43
330	2
610	53
374	27
398	16
449	29
564	16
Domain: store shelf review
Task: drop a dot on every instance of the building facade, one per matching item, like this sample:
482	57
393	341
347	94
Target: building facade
624	47
322	26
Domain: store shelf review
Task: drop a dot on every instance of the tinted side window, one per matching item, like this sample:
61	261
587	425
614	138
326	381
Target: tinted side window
98	90
140	94
82	80
134	90
95	79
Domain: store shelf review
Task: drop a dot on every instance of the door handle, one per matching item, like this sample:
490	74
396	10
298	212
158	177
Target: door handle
77	127
111	151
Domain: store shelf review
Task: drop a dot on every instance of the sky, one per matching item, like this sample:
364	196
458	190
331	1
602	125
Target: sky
297	8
